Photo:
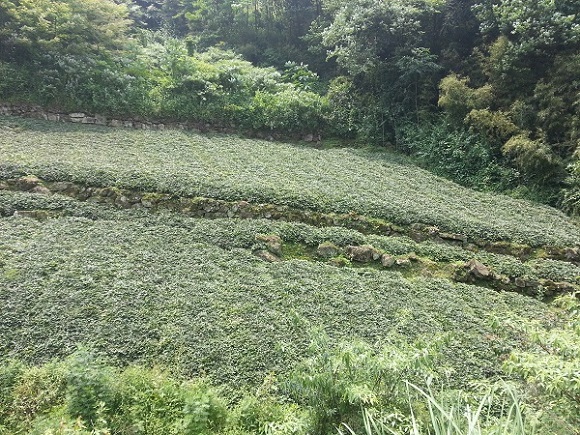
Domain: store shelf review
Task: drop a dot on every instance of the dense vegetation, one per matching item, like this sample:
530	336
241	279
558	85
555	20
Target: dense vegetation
176	292
138	299
366	181
483	92
188	294
169	282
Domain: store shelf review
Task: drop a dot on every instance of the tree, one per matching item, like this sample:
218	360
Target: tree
33	27
366	33
527	36
382	46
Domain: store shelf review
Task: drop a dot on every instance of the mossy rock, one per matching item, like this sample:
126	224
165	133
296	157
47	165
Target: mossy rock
328	250
272	242
363	254
339	262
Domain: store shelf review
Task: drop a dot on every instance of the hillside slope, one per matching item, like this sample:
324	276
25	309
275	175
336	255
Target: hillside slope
370	183
153	247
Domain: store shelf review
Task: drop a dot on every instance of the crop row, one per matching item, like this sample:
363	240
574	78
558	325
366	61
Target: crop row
236	233
373	183
155	292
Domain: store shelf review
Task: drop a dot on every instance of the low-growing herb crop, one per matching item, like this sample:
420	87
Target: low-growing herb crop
371	183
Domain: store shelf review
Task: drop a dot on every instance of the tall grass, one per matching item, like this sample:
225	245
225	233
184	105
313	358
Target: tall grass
499	412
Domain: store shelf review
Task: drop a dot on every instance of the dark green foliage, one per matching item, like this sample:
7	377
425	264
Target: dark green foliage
456	154
392	69
157	77
526	61
14	79
84	394
535	159
88	388
10	371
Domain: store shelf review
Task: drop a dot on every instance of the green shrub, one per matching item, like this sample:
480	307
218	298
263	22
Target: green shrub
335	382
535	159
38	390
331	387
495	126
550	368
204	410
10	373
219	87
90	393
457	99
85	395
456	154
570	195
58	423
344	113
150	402
301	77
289	110
159	78
14	81
498	412
265	414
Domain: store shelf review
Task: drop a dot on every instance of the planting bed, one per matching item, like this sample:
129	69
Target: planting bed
220	256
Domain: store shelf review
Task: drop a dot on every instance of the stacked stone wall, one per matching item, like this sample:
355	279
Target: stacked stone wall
37	112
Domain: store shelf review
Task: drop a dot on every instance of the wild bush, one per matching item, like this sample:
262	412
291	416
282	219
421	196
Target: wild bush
335	382
455	154
535	159
289	110
457	99
84	394
155	77
495	126
500	411
550	368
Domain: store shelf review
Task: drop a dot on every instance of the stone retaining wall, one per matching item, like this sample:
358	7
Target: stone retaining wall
37	112
269	246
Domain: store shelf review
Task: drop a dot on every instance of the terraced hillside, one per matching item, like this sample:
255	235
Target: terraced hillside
370	183
219	255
